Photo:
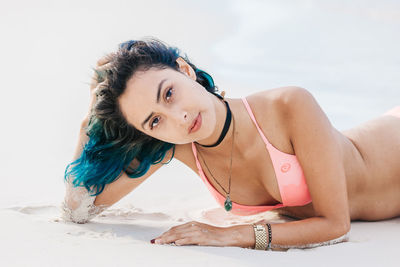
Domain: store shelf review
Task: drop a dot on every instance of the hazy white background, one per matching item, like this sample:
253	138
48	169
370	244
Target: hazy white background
345	52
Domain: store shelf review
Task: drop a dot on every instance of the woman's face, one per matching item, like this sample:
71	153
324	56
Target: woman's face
163	103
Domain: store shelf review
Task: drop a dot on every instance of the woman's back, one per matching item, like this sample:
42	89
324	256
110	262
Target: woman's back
378	142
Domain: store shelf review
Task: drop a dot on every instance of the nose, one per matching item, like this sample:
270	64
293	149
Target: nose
181	118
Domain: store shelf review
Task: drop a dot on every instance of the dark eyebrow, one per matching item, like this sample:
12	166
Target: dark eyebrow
158	101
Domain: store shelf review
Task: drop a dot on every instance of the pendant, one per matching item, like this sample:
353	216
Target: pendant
228	203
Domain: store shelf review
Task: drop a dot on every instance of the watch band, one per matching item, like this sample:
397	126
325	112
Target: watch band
261	237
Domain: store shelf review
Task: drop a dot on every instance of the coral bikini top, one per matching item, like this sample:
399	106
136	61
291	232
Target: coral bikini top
288	172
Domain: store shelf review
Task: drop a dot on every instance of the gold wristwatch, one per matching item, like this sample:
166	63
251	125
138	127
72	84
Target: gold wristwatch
261	237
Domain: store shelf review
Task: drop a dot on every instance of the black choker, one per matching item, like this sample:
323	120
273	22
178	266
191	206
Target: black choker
226	125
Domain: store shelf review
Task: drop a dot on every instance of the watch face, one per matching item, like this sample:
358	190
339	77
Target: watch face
260	227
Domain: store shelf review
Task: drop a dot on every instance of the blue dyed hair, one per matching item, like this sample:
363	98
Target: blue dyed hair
113	143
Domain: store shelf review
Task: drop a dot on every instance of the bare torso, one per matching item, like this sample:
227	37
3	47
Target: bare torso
371	158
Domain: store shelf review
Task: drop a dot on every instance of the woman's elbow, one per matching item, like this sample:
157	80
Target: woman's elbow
341	227
78	206
73	211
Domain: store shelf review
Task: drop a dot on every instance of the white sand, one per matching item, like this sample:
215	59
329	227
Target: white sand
344	52
35	236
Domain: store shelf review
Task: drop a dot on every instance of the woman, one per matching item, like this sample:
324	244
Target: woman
275	149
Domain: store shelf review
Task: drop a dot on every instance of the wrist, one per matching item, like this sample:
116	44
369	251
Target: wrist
85	122
242	236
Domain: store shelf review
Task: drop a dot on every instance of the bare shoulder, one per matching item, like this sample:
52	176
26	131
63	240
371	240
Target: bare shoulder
272	107
283	104
280	98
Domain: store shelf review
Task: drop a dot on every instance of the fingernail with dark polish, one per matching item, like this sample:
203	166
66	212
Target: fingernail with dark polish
152	241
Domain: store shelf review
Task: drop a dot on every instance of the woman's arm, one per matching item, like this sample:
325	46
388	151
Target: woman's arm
307	233
319	154
79	207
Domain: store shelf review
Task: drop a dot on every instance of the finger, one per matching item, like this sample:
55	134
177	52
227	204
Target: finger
100	86
176	236
188	229
197	240
185	241
173	230
105	59
189	226
96	83
104	67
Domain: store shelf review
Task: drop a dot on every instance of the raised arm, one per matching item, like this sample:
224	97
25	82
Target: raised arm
79	207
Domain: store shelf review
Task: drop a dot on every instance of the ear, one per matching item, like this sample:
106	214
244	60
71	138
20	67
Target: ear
185	68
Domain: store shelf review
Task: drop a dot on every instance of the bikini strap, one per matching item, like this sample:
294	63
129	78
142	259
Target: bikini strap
254	120
196	158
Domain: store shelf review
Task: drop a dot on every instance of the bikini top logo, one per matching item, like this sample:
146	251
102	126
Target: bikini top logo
285	167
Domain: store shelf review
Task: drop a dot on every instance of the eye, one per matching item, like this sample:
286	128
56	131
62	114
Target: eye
169	93
155	120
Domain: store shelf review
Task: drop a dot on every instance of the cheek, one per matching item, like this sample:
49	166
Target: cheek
169	134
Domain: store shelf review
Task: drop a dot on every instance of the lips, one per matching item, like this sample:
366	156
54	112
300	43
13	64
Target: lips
195	124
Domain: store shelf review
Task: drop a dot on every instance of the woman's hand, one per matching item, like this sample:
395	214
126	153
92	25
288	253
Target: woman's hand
99	76
98	79
196	233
